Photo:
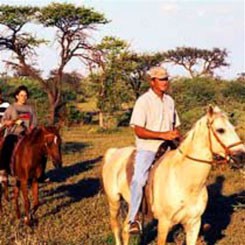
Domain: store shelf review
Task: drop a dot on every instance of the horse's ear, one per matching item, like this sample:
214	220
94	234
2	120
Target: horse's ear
210	110
57	126
44	128
217	109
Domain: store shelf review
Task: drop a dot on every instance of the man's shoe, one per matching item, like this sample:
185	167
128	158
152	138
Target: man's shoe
135	227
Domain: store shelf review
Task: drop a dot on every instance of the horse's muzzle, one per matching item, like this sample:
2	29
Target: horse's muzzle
57	164
238	159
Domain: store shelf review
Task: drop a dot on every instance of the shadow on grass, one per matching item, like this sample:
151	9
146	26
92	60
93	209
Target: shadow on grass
219	210
71	147
85	188
218	214
62	174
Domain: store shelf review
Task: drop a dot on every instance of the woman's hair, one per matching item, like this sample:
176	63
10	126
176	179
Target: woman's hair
21	88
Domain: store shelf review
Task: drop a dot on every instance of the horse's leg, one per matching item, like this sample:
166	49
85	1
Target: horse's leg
16	198
125	233
24	189
192	229
4	182
163	228
1	207
5	188
114	206
35	196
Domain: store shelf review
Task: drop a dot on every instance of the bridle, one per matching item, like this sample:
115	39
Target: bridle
226	148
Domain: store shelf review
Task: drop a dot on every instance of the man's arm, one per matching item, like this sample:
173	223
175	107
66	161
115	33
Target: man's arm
144	133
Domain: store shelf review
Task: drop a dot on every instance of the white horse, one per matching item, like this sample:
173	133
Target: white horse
179	194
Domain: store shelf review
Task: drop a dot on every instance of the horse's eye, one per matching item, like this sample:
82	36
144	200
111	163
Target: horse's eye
220	130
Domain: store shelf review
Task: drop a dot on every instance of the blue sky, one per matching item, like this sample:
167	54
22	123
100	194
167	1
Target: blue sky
152	25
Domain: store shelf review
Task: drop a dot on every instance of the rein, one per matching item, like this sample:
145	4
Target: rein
226	148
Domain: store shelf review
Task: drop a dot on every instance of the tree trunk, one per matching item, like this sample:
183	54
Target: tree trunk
52	108
52	114
101	119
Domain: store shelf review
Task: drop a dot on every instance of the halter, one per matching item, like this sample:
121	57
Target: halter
49	136
226	148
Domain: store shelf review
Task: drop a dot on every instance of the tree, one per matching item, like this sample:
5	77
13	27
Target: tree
198	62
135	67
241	76
107	76
72	24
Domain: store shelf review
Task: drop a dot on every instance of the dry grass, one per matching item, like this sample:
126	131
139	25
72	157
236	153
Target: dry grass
74	209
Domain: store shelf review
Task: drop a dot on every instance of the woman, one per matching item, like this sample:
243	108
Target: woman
18	118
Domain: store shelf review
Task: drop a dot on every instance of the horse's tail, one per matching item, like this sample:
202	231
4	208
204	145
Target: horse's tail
109	154
106	163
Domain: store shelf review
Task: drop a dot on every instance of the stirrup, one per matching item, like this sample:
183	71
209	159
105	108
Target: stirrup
3	176
135	227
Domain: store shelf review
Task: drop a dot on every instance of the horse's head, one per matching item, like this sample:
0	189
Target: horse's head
52	141
223	138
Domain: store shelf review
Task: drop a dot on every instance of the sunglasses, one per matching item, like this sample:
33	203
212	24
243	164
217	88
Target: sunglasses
163	79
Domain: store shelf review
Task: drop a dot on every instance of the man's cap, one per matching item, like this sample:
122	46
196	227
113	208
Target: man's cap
158	72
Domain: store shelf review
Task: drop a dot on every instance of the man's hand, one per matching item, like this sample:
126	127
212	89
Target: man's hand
170	135
9	123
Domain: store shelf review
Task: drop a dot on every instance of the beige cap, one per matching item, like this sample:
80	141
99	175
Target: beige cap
158	72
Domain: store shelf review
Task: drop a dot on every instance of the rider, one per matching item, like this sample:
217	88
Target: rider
3	106
154	120
18	118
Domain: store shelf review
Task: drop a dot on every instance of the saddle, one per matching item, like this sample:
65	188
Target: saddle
148	189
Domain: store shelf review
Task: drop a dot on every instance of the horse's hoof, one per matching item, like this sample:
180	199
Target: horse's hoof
206	227
18	215
26	220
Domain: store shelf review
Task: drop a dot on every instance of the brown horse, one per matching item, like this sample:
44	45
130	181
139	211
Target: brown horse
3	174
178	179
28	159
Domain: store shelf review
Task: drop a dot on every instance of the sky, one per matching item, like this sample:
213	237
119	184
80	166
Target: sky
158	25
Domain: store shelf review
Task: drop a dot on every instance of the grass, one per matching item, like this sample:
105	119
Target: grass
74	209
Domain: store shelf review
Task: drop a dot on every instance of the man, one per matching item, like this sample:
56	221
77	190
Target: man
3	106
154	120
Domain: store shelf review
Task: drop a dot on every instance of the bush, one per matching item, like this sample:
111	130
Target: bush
74	116
123	119
235	90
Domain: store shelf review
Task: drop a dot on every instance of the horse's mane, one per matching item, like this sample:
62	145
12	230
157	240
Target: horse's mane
190	135
199	126
37	133
34	135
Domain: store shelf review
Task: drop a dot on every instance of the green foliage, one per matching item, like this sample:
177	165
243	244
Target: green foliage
67	15
192	96
235	91
74	115
15	16
123	118
134	68
108	83
196	61
69	95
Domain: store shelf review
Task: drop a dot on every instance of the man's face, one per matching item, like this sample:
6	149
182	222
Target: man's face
160	84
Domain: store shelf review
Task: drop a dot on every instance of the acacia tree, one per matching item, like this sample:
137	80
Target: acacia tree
72	24
135	67
198	62
106	76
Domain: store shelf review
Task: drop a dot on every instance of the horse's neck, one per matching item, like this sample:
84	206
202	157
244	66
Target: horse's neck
197	143
36	137
196	146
